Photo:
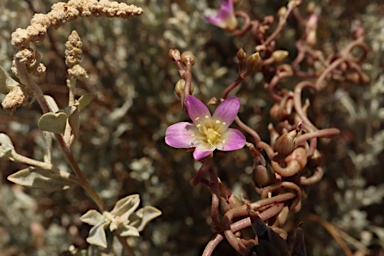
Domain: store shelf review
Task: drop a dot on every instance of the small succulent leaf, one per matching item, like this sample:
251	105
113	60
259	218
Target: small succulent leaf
36	178
74	122
6	82
6	146
53	122
69	110
126	206
85	99
51	103
143	216
92	217
127	230
97	236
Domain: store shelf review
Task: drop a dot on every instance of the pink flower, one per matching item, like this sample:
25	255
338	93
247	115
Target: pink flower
225	17
207	132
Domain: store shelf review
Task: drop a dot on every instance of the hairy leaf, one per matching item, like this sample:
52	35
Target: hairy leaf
40	179
127	230
6	145
85	100
126	206
97	236
92	217
6	82
53	122
141	218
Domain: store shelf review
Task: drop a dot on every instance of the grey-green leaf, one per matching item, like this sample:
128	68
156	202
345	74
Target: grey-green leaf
126	206
51	103
6	146
6	82
85	100
127	230
53	122
92	217
74	122
45	180
97	236
140	218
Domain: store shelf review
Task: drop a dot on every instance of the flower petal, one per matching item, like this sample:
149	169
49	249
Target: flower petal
196	109
179	135
227	110
226	8
225	18
200	153
233	140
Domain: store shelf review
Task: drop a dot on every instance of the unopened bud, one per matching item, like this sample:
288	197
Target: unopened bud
353	77
364	78
262	175
241	55
188	57
311	7
174	54
282	11
179	88
311	38
285	144
254	62
279	55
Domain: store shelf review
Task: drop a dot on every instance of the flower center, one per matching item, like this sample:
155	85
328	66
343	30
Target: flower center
210	130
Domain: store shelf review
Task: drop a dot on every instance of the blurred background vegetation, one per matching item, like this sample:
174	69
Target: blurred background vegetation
122	151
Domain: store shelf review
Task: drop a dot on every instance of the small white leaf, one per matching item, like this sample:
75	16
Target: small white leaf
45	180
51	103
97	236
127	230
144	215
126	206
92	217
85	100
53	122
6	146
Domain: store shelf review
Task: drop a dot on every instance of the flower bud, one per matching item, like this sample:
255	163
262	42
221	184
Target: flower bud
179	88
311	8
364	78
282	11
262	175
174	54
353	77
279	55
285	144
254	62
188	57
241	55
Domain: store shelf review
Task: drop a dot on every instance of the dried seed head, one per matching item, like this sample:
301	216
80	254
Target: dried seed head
15	98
